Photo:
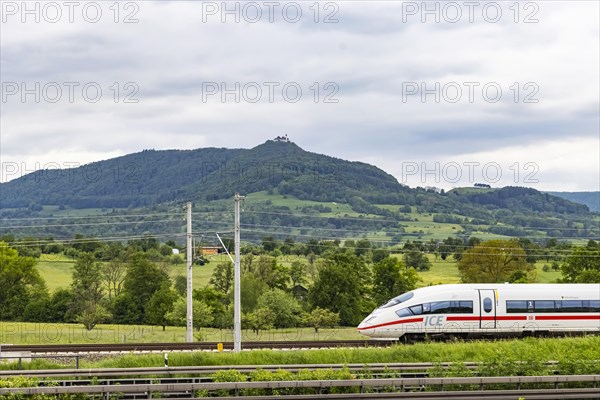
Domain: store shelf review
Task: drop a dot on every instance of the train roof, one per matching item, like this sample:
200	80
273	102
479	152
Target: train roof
530	288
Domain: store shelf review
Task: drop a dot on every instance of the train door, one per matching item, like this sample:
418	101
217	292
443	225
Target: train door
487	308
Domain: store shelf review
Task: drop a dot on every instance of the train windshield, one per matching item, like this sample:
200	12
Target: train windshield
397	300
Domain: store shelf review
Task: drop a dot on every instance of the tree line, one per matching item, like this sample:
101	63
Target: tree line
333	283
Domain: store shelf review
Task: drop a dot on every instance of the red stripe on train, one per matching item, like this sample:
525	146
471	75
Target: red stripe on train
565	317
500	318
406	321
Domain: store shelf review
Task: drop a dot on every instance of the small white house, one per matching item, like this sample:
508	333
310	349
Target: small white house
175	251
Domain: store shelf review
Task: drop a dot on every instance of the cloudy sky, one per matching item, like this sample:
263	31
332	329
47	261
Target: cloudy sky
438	94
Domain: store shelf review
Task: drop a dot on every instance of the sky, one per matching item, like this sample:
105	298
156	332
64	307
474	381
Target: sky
441	94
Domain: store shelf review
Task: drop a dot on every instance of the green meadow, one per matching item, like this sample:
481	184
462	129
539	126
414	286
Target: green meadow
57	333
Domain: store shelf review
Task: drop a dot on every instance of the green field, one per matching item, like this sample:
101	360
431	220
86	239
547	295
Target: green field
57	270
51	333
441	272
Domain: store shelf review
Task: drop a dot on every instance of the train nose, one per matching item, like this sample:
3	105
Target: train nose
366	326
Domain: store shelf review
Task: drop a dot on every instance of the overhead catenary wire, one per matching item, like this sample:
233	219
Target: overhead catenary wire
401	221
328	217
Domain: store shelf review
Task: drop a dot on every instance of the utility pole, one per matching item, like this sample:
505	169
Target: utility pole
237	310
189	330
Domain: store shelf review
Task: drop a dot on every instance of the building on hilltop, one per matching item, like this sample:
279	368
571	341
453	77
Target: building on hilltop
282	139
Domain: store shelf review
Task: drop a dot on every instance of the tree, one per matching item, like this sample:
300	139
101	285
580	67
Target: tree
269	243
202	314
451	245
127	309
287	246
250	290
217	302
343	286
284	308
247	263
260	319
37	309
297	273
379	254
363	247
271	273
113	275
18	280
88	291
320	318
180	285
582	266
159	305
87	281
391	278
222	277
417	260
60	308
92	314
493	261
142	280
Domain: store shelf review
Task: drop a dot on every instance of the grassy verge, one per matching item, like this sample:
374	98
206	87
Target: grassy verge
525	356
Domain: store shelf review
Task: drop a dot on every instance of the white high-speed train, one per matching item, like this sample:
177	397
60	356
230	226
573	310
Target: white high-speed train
492	310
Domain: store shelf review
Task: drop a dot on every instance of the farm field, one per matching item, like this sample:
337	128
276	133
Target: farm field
57	270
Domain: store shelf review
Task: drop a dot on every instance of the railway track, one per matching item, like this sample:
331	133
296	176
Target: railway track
156	347
503	387
169	372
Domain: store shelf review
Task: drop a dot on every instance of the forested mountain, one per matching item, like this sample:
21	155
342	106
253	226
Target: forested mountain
590	199
154	177
168	178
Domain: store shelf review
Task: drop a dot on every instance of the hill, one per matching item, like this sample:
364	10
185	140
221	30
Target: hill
154	177
590	199
306	183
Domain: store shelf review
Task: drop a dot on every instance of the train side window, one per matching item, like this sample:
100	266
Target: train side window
440	307
595	305
417	310
542	306
572	306
399	299
516	306
462	307
487	304
403	312
530	306
465	307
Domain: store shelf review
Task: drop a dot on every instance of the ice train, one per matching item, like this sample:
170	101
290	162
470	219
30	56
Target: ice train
487	310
